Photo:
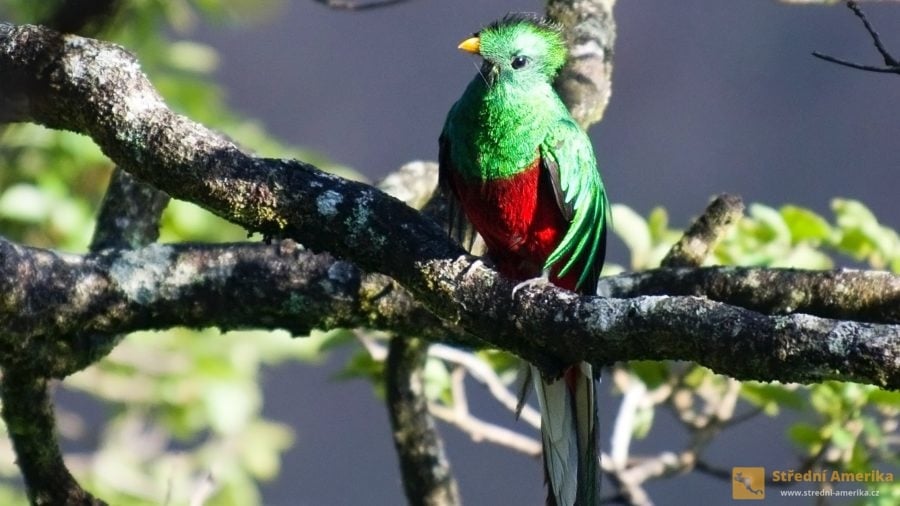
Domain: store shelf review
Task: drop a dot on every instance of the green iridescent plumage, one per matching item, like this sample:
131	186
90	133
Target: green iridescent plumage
511	115
518	167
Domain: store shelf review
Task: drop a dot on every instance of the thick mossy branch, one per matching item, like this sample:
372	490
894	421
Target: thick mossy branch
427	478
29	419
585	83
92	298
863	296
129	215
703	234
98	89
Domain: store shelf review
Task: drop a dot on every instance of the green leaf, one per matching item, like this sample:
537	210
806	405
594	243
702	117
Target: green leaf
855	394
186	221
658	223
885	398
652	372
805	225
862	237
696	376
231	405
437	381
852	214
806	436
262	444
362	366
825	400
856	244
773	228
872	431
193	57
772	396
634	232
643	421
25	202
506	365
841	437
803	256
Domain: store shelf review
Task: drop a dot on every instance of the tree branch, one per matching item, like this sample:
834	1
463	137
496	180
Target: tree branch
863	296
98	89
703	234
891	65
129	215
427	478
96	297
48	294
479	430
585	83
484	374
28	414
350	5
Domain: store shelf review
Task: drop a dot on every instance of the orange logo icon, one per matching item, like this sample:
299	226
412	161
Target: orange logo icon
748	483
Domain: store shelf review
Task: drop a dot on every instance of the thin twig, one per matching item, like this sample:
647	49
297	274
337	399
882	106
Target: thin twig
483	373
204	490
479	431
623	428
349	5
892	66
858	66
888	59
708	469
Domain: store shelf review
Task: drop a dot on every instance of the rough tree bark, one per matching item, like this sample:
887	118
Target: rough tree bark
97	88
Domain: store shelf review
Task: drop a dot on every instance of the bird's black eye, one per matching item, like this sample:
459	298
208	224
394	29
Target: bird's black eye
519	62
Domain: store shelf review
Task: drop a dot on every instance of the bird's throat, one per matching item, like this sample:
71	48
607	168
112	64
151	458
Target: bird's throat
500	127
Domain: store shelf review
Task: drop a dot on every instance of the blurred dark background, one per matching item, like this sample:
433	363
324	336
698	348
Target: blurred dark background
708	97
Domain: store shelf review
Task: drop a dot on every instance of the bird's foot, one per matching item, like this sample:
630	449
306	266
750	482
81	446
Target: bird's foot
474	265
542	280
478	262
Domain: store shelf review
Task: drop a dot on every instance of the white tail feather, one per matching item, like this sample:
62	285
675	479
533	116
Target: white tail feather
569	436
557	429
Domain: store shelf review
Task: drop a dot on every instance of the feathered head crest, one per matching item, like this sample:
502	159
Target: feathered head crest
531	18
521	29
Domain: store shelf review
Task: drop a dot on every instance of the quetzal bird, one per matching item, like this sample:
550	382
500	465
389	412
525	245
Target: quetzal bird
515	164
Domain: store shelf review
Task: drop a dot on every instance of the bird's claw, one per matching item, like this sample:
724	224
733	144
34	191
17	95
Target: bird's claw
472	266
538	281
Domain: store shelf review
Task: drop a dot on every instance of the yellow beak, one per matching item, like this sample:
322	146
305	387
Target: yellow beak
470	45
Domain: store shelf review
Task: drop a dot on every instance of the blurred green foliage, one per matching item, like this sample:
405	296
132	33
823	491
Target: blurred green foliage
182	405
844	426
